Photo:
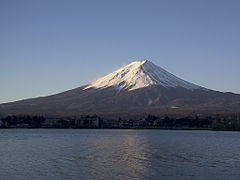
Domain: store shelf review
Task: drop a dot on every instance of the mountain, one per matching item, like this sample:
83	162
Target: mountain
140	74
137	89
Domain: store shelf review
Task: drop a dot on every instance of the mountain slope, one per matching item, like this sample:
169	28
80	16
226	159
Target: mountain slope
140	74
138	88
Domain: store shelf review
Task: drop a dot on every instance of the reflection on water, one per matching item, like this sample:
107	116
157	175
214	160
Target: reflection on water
118	154
122	156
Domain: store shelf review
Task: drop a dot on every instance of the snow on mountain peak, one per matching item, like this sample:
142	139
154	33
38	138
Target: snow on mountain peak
140	74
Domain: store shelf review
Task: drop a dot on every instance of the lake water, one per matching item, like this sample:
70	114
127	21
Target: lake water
118	154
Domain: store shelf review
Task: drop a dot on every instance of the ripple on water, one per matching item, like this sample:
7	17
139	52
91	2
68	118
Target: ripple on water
118	154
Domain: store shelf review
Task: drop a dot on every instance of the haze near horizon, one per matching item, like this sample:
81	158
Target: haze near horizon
52	46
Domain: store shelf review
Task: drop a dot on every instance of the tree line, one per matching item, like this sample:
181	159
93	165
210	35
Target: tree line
229	123
22	121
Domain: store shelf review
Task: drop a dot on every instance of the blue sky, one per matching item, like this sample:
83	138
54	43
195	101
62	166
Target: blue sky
49	46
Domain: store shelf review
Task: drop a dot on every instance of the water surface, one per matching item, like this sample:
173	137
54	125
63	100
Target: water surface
118	154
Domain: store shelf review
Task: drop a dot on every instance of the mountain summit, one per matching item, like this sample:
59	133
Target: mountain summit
137	89
140	74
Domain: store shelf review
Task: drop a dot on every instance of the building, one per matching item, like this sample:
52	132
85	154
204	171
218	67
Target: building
88	122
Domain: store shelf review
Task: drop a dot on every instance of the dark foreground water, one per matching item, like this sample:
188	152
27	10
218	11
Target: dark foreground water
118	154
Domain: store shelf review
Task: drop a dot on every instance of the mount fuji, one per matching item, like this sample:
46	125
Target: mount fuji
140	74
136	89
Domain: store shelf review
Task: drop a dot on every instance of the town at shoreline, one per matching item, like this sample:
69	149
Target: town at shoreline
225	123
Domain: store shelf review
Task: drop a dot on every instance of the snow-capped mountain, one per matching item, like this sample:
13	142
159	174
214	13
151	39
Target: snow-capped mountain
138	88
140	74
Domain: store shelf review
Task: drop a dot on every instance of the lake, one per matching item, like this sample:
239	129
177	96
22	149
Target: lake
118	154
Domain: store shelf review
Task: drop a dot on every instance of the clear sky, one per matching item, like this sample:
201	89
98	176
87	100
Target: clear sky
49	46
